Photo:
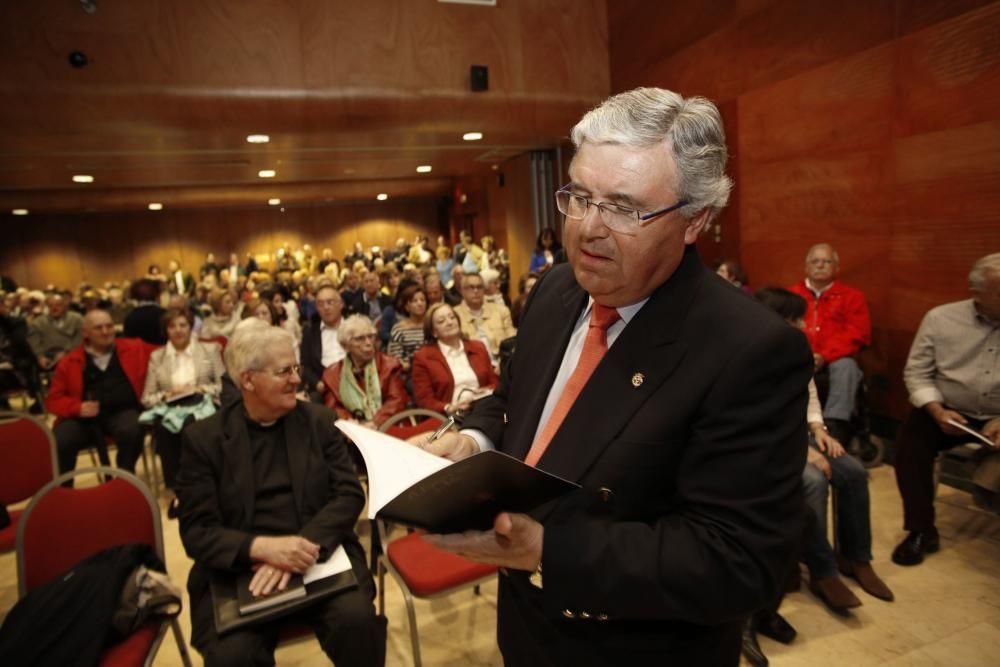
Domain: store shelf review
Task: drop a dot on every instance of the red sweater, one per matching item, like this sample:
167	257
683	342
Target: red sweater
66	392
837	324
433	384
390	378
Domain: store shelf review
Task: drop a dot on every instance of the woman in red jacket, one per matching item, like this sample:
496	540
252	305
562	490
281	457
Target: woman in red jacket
449	373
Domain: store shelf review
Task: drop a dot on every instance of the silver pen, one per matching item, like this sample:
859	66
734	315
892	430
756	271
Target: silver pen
442	429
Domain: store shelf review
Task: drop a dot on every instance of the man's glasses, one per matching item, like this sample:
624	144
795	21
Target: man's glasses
615	217
283	373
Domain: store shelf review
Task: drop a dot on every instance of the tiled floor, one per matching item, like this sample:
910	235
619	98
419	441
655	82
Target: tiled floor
947	611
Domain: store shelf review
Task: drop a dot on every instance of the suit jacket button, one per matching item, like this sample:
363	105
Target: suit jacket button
568	613
605	493
584	615
602	617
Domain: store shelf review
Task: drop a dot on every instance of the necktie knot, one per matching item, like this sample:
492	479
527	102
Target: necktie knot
603	317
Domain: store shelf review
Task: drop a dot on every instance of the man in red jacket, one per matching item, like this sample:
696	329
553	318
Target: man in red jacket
95	393
838	326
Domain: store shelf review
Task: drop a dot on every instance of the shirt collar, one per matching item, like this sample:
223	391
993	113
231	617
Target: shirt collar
323	326
449	351
624	312
815	290
173	352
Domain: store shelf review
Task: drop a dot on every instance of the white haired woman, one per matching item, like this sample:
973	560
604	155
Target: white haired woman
366	385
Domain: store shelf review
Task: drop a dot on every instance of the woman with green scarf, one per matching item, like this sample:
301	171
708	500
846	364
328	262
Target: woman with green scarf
366	386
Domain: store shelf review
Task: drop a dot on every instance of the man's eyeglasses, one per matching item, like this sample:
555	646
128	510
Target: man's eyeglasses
283	373
819	261
615	217
362	337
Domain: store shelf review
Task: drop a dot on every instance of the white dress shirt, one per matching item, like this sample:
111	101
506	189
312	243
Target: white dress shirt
461	370
182	371
332	351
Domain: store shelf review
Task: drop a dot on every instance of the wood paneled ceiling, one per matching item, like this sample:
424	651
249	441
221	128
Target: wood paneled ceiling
354	96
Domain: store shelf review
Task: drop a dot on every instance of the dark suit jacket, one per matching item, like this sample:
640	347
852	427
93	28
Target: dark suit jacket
689	442
433	383
311	354
145	322
359	307
216	490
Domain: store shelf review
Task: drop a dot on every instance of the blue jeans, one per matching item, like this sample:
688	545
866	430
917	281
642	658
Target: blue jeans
854	533
845	377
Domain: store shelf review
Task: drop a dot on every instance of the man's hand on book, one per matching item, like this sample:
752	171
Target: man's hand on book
992	431
293	553
453	446
515	542
267	579
942	414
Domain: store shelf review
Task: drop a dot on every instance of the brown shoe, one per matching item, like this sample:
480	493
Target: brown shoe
835	595
871	583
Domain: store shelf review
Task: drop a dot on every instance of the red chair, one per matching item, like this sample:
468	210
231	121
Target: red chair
27	463
221	340
58	530
421	570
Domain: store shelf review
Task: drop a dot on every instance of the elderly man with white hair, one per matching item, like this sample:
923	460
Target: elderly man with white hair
267	485
951	375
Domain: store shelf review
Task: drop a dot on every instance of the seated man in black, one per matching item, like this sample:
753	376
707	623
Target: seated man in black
267	484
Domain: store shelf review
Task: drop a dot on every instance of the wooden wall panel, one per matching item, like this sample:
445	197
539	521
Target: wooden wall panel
871	125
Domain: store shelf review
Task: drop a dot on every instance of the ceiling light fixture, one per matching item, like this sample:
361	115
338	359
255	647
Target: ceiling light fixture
258	138
83	178
20	211
424	169
156	206
273	201
381	196
472	136
267	173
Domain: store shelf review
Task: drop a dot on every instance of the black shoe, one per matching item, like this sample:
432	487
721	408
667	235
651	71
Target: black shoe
776	627
173	509
750	647
919	542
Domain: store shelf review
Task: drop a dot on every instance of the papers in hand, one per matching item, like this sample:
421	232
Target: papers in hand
414	487
298	586
974	433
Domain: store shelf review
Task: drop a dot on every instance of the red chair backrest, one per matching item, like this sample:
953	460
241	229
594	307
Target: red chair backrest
63	526
26	458
221	340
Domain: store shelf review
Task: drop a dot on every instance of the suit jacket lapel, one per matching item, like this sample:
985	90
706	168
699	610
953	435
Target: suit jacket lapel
642	358
236	446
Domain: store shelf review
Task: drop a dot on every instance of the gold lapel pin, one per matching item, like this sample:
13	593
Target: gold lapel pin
637	380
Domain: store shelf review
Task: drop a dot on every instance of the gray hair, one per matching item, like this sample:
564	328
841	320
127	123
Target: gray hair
355	325
981	270
833	251
490	276
251	346
648	116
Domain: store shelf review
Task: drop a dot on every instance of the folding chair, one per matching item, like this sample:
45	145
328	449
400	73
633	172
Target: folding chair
421	570
27	463
58	530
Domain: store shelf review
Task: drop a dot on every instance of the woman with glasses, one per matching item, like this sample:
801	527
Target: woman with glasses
449	372
183	383
366	385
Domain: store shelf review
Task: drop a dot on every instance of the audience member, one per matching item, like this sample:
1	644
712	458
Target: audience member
321	346
444	264
489	323
96	392
209	267
524	286
18	363
183	382
264	310
182	302
951	375
453	293
54	333
449	371
370	302
266	485
407	333
178	280
732	272
366	385
838	326
547	252
433	289
224	318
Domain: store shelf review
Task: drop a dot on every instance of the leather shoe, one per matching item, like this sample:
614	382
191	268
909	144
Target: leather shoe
863	573
750	647
835	595
775	626
919	542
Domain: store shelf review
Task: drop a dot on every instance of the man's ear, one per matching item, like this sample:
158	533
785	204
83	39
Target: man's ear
696	226
245	380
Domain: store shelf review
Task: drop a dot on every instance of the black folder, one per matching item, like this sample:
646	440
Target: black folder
468	494
226	601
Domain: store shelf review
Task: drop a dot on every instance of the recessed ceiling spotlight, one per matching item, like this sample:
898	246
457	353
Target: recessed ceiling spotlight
83	178
381	196
156	206
472	136
20	211
267	173
424	169
273	201
258	138
495	167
